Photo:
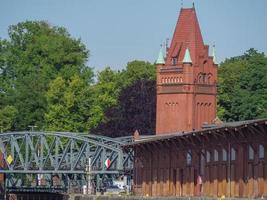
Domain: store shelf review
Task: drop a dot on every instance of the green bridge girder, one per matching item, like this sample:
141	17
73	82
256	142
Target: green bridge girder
66	155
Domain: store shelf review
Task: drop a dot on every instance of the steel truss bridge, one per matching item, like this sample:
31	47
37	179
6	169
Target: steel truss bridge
61	161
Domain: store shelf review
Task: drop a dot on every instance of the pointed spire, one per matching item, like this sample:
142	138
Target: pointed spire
160	60
214	55
187	57
187	32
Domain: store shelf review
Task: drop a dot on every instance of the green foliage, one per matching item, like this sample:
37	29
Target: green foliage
35	54
243	87
7	116
136	110
138	70
125	101
68	105
105	93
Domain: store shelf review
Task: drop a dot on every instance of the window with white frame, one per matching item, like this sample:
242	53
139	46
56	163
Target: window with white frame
250	153
208	156
233	154
216	155
224	155
261	151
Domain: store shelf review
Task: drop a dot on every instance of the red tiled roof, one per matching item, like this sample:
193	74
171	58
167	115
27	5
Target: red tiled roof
187	34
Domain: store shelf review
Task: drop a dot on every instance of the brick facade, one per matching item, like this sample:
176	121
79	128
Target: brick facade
186	92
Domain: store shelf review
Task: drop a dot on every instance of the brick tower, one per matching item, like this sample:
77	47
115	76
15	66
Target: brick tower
186	79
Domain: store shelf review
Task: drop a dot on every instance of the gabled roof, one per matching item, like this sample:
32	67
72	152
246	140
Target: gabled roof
187	34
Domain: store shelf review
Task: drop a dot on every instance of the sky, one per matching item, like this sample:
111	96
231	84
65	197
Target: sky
119	31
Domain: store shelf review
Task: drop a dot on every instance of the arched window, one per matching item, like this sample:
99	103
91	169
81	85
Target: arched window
204	78
209	77
216	155
224	155
199	78
250	153
233	154
261	151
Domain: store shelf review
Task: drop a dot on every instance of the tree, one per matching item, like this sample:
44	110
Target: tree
243	87
137	70
105	94
35	54
7	116
133	101
136	110
68	105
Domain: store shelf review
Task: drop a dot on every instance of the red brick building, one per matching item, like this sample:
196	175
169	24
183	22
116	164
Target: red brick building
182	159
229	160
186	79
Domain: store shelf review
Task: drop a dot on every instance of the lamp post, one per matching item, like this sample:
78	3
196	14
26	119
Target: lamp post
88	173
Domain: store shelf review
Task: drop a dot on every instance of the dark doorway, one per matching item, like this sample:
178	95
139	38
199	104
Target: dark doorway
181	181
174	181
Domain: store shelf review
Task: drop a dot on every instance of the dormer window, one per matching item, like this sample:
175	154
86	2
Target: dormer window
174	61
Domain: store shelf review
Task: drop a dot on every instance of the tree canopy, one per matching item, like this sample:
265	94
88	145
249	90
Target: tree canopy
243	87
125	101
35	54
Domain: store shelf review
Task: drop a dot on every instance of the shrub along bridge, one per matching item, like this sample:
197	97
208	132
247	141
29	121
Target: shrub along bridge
61	162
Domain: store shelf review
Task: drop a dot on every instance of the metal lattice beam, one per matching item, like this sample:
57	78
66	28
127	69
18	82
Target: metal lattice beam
65	153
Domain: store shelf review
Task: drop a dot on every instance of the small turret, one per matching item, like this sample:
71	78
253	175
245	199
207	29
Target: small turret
187	58
160	60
